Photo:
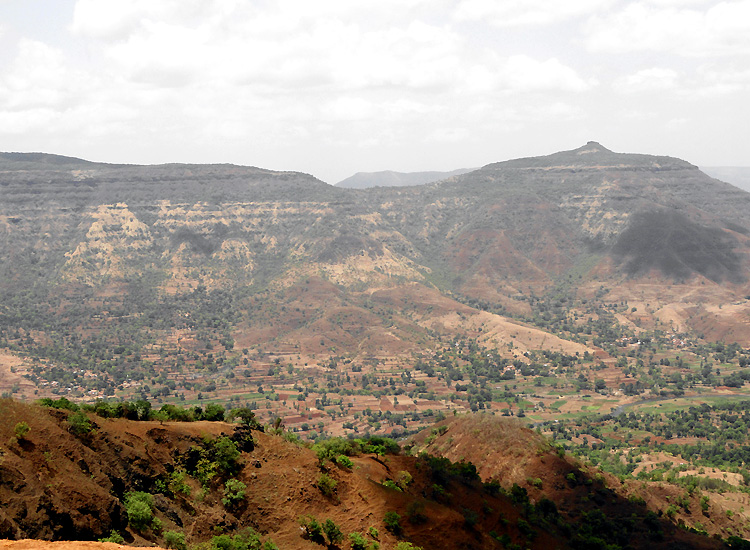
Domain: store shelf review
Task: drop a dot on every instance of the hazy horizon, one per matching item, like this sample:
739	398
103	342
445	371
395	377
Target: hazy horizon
332	88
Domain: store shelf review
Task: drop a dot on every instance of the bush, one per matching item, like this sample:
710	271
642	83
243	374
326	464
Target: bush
312	528
174	413
331	449
249	539
344	462
205	471
359	542
21	430
534	482
470	517
391	485
61	403
140	509
79	423
213	413
327	484
380	445
403	479
177	483
114	536
403	545
415	512
332	532
175	539
247	418
704	503
392	521
234	492
226	454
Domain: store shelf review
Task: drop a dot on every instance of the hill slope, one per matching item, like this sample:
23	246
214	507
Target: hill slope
63	479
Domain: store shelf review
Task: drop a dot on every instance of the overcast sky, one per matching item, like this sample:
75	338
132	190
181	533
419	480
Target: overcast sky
332	87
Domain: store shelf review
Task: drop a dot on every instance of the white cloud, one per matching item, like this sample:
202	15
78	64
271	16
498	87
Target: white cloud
517	13
292	84
525	74
348	108
721	29
108	20
719	81
38	78
647	80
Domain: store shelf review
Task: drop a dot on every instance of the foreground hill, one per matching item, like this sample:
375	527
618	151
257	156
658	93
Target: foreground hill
71	475
505	451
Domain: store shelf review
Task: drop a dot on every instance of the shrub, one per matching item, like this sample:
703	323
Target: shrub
205	471
114	536
525	528
213	413
247	418
534	482
327	484
234	492
403	545
403	479
344	462
312	528
331	449
177	483
704	503
380	445
175	539
292	437
79	423
492	487
547	508
415	512
391	485
332	532
62	403
373	533
174	413
140	509
359	542
470	517
226	454
21	430
248	539
392	521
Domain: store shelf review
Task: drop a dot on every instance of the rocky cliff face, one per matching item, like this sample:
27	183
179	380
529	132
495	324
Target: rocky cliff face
596	226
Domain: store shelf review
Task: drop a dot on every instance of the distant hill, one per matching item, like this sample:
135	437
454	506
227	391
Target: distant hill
388	178
736	175
179	270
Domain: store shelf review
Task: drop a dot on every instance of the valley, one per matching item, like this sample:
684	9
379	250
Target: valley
589	294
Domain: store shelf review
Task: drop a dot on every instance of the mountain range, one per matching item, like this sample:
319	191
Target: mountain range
598	226
389	178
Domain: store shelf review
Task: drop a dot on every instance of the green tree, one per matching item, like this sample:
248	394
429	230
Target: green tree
21	430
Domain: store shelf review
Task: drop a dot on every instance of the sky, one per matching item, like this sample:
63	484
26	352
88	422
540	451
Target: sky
334	87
